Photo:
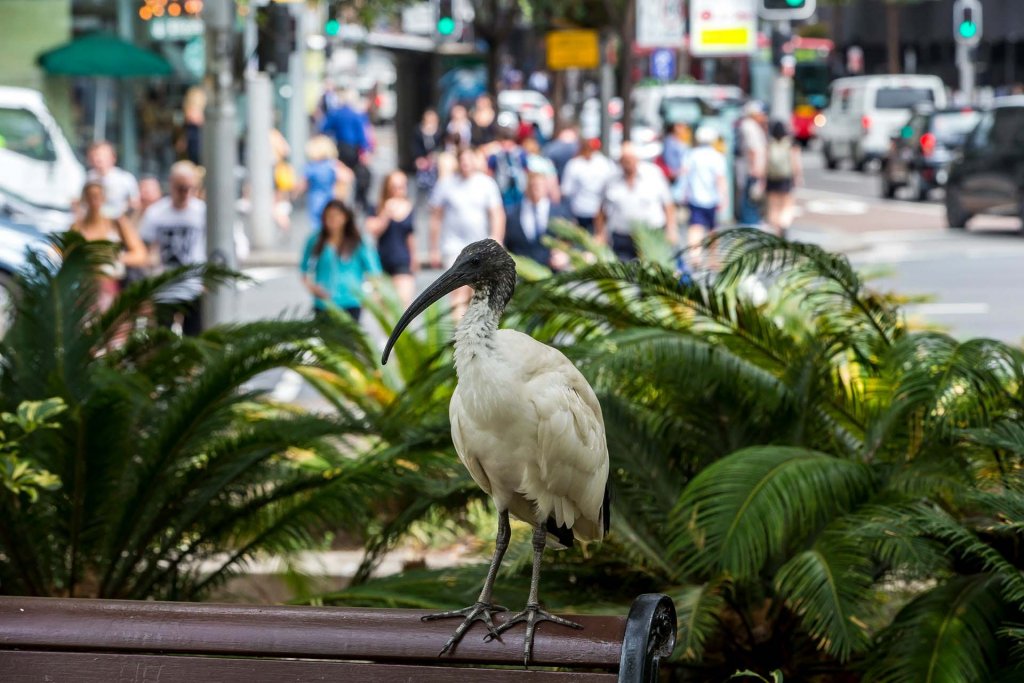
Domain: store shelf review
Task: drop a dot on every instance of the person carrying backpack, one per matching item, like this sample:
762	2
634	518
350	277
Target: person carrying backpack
508	167
784	172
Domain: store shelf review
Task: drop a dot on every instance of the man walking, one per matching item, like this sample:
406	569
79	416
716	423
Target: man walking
174	227
528	224
636	198
119	186
583	183
346	125
508	167
703	187
465	207
563	147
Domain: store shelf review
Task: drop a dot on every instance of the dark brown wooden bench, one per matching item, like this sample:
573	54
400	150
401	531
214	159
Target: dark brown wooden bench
114	641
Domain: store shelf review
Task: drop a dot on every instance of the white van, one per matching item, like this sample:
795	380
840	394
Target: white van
40	176
864	112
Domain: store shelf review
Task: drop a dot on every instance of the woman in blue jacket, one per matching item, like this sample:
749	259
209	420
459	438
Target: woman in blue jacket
336	262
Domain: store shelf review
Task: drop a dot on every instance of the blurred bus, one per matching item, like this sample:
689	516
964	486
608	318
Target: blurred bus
810	85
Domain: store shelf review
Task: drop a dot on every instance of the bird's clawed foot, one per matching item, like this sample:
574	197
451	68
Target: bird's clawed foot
531	616
480	611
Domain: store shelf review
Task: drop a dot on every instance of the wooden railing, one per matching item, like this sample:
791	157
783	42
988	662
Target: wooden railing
89	641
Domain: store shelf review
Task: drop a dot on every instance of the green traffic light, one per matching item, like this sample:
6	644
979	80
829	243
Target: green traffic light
332	27
794	3
446	26
968	29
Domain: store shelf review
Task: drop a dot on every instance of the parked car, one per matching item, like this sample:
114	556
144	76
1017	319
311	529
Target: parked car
530	106
987	175
921	153
15	243
864	113
39	172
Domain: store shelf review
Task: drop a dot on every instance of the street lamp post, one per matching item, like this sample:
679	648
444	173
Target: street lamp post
219	152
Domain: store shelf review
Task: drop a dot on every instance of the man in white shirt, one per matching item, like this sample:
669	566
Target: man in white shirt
583	183
465	207
637	197
703	187
174	227
119	186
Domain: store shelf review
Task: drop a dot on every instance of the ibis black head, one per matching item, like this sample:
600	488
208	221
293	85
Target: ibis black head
485	266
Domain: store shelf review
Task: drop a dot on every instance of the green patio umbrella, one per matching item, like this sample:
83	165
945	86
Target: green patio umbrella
103	55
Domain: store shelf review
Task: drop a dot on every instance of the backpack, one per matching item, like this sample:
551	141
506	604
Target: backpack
510	175
780	160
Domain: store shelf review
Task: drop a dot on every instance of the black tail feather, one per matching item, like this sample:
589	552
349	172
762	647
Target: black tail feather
606	508
561	532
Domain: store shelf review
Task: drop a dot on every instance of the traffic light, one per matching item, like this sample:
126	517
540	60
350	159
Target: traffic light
446	23
275	37
967	22
332	26
786	9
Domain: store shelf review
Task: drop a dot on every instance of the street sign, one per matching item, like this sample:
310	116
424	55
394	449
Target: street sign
967	22
418	19
573	49
722	27
660	23
663	64
174	28
786	9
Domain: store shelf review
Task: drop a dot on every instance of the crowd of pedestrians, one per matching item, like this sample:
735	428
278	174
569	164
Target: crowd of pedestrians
152	232
474	177
481	179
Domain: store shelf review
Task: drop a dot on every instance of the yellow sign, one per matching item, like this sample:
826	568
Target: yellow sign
725	37
573	49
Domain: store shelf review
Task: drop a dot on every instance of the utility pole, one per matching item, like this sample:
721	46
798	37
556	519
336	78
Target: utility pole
782	82
780	14
298	120
607	91
259	90
219	152
127	94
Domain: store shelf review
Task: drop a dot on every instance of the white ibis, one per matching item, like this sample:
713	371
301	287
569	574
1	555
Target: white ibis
527	426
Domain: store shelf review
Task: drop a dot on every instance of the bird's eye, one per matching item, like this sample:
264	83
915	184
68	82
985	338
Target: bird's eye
475	260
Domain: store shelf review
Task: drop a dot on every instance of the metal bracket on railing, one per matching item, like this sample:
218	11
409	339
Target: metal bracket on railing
650	636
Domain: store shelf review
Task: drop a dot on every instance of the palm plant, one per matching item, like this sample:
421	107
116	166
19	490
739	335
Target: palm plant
407	404
174	471
823	490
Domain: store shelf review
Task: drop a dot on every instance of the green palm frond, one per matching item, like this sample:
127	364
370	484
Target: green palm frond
946	635
697	615
825	284
962	542
746	508
827	586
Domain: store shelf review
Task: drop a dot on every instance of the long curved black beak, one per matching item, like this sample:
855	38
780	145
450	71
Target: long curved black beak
449	281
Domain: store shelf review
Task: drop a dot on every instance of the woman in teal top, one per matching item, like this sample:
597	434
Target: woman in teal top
336	261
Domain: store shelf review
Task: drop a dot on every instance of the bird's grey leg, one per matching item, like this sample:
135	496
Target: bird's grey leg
533	614
482	609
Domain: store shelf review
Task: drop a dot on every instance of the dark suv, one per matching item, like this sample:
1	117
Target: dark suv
921	152
989	176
